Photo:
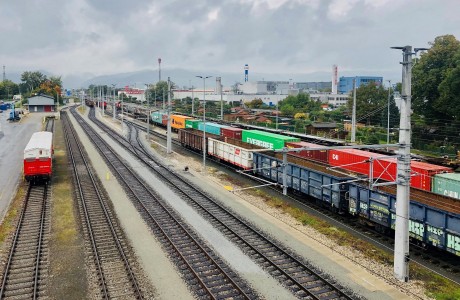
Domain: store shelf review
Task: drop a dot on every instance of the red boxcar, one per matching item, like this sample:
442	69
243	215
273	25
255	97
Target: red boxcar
318	155
384	167
38	153
231	132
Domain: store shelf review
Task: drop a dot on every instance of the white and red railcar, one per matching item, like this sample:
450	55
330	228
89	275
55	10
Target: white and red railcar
38	162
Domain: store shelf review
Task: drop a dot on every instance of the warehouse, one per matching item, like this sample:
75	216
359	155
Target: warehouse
41	103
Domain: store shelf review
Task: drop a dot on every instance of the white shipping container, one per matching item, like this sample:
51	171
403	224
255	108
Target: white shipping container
234	151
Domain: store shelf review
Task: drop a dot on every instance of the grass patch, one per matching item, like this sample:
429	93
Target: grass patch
436	286
10	220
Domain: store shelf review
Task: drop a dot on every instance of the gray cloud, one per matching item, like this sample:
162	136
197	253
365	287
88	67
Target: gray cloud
77	37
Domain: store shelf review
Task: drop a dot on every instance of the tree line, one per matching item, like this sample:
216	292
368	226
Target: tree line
32	83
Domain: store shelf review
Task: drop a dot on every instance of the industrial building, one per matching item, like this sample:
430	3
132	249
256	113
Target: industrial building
346	83
41	103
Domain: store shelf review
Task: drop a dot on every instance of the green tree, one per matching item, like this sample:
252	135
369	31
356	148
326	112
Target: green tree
288	110
435	67
371	99
298	104
7	89
159	92
256	103
32	80
449	91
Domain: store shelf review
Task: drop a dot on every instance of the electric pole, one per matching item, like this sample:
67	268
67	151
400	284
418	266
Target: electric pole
168	135
401	256
353	117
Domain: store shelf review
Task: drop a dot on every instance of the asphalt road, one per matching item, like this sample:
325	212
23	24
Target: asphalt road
13	139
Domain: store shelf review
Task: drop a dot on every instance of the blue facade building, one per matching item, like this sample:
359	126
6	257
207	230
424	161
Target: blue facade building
346	83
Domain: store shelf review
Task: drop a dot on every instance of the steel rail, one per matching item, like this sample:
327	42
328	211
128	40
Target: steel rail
93	136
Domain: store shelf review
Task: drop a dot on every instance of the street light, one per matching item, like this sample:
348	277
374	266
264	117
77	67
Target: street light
114	108
204	121
148	109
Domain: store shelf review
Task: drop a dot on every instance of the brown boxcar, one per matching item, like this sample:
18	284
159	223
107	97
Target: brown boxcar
318	155
193	139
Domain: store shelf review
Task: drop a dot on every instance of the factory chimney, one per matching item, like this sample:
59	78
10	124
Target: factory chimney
334	79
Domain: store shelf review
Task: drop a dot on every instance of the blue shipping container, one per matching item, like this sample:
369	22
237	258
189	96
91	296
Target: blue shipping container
213	128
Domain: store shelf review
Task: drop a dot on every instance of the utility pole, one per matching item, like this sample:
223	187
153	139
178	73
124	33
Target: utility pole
148	114
353	117
168	135
388	112
114	108
401	256
193	102
159	70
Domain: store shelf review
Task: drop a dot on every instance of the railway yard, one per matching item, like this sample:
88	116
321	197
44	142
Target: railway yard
122	219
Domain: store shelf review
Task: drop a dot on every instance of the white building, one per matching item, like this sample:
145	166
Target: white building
139	94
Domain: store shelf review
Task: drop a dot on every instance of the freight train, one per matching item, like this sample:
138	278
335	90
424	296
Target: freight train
338	179
38	162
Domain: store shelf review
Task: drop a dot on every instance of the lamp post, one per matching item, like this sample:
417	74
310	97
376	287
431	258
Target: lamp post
114	108
121	96
193	102
148	109
204	121
388	112
168	137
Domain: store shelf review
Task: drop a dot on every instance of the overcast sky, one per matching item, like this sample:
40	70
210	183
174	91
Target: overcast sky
99	37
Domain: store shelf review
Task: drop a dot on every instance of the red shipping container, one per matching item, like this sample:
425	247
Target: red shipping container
231	132
384	168
359	161
164	120
318	155
422	174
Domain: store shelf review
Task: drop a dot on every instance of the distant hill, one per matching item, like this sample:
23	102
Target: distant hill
183	78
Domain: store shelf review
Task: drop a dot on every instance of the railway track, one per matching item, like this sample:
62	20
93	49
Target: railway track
111	255
298	276
445	264
49	124
206	274
25	273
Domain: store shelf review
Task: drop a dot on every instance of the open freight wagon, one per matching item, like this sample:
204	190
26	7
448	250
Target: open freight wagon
434	219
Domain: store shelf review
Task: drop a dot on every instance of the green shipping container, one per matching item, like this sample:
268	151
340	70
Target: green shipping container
192	123
266	139
447	184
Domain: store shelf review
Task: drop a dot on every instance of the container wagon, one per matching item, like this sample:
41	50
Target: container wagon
328	188
38	157
193	139
434	219
234	151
